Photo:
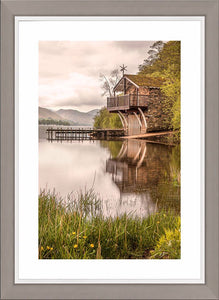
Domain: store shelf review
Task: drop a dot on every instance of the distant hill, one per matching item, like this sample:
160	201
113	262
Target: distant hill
48	114
93	112
75	117
78	117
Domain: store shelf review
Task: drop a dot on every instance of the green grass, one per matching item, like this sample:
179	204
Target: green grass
78	230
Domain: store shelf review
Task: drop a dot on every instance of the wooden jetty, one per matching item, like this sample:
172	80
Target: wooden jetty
69	134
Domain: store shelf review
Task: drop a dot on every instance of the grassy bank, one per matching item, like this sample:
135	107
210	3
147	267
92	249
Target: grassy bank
78	230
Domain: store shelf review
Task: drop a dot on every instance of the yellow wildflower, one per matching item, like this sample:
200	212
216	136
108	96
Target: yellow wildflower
73	232
75	246
41	248
84	236
47	247
91	245
164	215
158	222
51	248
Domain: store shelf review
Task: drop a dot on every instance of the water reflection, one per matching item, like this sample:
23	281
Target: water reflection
131	176
147	171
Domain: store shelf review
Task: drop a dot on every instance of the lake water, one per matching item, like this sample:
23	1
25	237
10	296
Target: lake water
129	176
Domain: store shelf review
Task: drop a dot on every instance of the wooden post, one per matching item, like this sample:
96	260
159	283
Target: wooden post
137	97
124	86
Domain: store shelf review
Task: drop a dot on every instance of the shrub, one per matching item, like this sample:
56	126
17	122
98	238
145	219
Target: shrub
104	119
169	244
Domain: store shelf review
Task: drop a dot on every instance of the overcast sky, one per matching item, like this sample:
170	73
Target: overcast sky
69	71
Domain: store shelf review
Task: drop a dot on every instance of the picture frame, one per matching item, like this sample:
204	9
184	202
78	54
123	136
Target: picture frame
9	290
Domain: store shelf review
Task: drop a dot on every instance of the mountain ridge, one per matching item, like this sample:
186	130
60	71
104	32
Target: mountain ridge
45	113
75	117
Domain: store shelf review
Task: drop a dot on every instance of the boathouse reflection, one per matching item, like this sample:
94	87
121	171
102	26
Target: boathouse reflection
143	174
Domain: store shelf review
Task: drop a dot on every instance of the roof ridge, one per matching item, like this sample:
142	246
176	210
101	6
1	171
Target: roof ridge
144	75
143	80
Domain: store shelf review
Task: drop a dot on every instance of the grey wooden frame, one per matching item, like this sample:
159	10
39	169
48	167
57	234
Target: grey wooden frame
9	9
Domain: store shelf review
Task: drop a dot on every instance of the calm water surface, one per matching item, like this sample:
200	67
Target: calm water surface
130	176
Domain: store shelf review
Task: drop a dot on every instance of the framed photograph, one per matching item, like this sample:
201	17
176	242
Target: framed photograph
109	144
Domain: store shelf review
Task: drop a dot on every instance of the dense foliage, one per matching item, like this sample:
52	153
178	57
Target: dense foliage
53	122
166	64
78	230
104	119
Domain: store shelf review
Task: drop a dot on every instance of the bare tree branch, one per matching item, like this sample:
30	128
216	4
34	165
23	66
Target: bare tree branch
109	82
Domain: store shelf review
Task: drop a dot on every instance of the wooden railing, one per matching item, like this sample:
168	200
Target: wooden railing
118	101
127	101
139	100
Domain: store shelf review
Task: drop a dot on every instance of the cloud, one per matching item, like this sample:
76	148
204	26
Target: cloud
77	90
69	71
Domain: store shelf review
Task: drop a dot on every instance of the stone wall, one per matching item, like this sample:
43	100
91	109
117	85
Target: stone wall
155	117
131	90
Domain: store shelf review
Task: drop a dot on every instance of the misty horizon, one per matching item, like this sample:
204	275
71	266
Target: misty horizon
56	110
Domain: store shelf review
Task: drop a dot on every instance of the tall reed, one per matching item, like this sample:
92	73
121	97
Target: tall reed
77	229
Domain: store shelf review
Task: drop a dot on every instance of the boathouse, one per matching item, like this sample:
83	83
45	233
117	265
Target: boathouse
138	101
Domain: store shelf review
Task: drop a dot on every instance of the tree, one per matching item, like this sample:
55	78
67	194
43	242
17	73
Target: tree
109	82
104	119
167	66
153	55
